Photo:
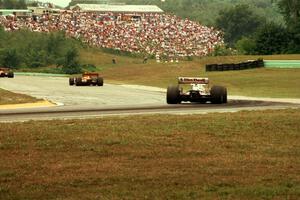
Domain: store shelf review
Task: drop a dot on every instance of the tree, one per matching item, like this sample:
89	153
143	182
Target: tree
246	46
291	12
21	4
272	39
70	63
8	4
10	58
237	22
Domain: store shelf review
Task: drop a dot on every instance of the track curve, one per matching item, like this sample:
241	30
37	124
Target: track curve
111	100
71	112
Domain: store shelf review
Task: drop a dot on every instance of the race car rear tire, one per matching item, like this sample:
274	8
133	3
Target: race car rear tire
100	81
173	94
225	95
71	81
78	81
217	94
10	75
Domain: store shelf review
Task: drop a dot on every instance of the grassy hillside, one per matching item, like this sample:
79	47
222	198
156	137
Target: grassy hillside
256	82
245	155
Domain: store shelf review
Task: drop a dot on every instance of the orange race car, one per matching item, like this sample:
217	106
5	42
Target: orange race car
87	79
6	72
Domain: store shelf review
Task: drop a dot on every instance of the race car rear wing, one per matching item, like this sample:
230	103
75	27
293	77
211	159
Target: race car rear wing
192	80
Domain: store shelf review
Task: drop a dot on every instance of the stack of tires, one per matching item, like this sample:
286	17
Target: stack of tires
240	66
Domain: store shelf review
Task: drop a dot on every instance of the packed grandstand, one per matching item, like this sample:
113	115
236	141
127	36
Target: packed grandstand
158	34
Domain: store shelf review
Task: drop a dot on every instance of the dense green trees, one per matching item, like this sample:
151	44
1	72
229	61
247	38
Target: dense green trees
25	49
274	38
70	62
10	58
13	4
237	22
291	12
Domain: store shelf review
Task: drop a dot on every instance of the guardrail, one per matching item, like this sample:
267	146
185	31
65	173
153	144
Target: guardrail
286	64
239	66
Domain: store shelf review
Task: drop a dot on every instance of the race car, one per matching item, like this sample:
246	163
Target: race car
87	79
6	72
199	91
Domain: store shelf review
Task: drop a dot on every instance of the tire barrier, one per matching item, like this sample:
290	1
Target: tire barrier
239	66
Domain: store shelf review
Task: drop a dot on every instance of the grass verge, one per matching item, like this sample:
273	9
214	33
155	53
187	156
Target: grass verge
282	83
7	97
265	82
244	155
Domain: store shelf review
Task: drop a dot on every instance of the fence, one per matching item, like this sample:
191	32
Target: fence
282	64
239	66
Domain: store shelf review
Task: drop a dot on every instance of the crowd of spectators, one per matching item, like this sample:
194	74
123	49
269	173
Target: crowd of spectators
160	35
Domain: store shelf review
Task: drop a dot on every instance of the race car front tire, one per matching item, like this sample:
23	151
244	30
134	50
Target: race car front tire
173	94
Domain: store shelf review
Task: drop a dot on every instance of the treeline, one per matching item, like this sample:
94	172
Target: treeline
25	49
250	33
13	4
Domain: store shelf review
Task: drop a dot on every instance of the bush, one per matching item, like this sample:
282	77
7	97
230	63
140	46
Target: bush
34	50
272	39
70	63
10	58
246	46
237	22
222	50
89	67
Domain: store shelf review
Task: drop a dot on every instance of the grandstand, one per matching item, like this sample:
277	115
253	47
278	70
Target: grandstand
15	12
74	2
130	28
103	8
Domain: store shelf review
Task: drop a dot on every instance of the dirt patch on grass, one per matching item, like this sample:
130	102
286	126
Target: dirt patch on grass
7	97
245	155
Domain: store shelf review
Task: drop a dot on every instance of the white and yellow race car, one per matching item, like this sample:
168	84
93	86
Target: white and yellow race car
200	91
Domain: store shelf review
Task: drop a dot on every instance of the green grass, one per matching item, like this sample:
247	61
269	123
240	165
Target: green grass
7	97
244	155
257	82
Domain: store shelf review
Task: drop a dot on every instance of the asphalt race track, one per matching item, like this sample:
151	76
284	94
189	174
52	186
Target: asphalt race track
57	89
110	100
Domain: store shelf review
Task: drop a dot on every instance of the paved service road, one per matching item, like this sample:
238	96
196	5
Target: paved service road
57	89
